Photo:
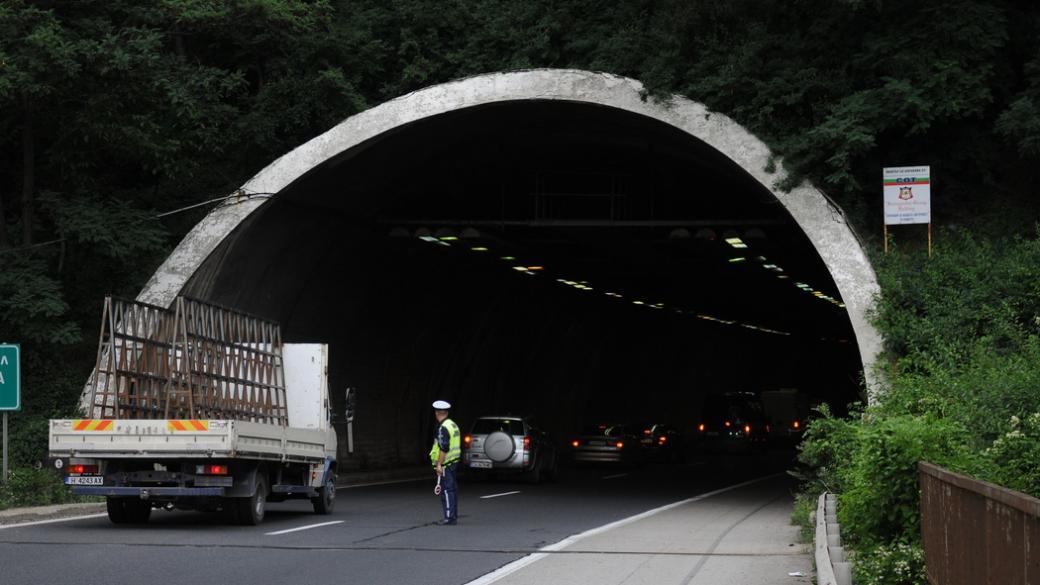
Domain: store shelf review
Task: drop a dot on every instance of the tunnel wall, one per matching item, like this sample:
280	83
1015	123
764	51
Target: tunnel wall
822	222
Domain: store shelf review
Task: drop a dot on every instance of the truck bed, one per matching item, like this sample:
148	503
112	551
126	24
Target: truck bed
203	439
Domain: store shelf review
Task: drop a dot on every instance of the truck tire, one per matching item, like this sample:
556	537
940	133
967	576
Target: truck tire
251	509
128	510
116	510
326	499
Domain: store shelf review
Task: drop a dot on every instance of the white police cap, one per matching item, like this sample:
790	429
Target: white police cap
441	405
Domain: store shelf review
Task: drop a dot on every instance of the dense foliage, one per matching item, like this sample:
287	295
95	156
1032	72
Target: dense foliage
962	333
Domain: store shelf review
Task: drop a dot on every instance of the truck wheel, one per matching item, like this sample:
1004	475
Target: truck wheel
116	510
138	511
251	510
326	499
128	510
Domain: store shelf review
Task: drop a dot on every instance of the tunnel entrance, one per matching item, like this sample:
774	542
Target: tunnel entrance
566	260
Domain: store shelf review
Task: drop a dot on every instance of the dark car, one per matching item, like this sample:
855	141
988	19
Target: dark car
608	443
503	445
662	442
734	422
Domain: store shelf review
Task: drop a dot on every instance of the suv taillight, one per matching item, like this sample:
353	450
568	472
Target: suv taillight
467	440
527	443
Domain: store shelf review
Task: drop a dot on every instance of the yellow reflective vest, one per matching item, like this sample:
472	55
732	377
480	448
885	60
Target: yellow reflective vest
454	444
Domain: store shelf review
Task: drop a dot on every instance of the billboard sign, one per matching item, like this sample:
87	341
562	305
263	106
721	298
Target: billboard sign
907	195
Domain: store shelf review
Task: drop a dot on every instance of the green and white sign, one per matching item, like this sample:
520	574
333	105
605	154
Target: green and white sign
10	377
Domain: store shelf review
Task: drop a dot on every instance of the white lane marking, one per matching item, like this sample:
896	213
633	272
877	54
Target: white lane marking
499	495
375	483
37	522
616	475
308	527
518	564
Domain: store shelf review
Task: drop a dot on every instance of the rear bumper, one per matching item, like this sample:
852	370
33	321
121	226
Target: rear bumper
602	456
145	492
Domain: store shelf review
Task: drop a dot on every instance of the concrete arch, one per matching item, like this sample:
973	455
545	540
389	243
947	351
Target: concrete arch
821	221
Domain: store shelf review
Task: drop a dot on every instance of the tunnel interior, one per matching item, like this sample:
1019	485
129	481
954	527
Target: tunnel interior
571	262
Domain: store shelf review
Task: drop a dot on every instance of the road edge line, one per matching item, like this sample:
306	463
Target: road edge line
51	521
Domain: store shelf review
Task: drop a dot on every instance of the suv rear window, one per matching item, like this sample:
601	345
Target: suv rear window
486	426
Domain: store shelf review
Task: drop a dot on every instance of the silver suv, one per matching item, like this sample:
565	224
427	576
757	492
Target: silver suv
509	444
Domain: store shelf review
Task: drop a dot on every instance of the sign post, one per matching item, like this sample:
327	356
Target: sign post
10	389
907	198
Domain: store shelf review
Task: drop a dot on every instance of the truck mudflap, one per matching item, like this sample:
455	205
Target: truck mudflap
146	492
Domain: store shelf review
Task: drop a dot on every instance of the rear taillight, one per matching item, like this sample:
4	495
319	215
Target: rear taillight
747	429
796	424
527	443
467	440
82	469
620	444
647	431
700	427
211	470
575	443
662	440
728	424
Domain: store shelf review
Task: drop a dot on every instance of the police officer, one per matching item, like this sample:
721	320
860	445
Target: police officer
445	455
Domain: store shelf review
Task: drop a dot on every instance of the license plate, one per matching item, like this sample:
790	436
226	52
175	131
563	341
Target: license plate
84	480
480	464
598	443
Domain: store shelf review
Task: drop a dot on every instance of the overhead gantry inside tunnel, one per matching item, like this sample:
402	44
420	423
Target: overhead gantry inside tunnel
539	242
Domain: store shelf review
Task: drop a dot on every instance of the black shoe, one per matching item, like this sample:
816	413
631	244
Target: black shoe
447	522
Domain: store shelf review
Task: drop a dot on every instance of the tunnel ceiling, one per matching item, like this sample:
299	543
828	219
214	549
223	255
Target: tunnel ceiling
623	203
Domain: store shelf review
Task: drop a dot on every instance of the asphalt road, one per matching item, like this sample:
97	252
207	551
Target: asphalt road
379	534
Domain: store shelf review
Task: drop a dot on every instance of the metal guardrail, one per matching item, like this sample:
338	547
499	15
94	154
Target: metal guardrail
976	532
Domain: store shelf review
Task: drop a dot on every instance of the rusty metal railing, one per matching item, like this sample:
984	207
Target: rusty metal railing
977	533
193	360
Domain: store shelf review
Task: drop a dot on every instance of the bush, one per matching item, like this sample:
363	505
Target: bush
1014	456
881	501
27	486
896	564
827	446
802	516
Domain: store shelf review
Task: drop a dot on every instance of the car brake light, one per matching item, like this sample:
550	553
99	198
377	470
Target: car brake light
467	439
728	424
527	443
575	443
647	431
81	469
796	424
211	470
700	427
662	440
620	444
747	429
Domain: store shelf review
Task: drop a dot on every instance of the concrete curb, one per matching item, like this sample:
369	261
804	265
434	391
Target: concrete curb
36	513
831	566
